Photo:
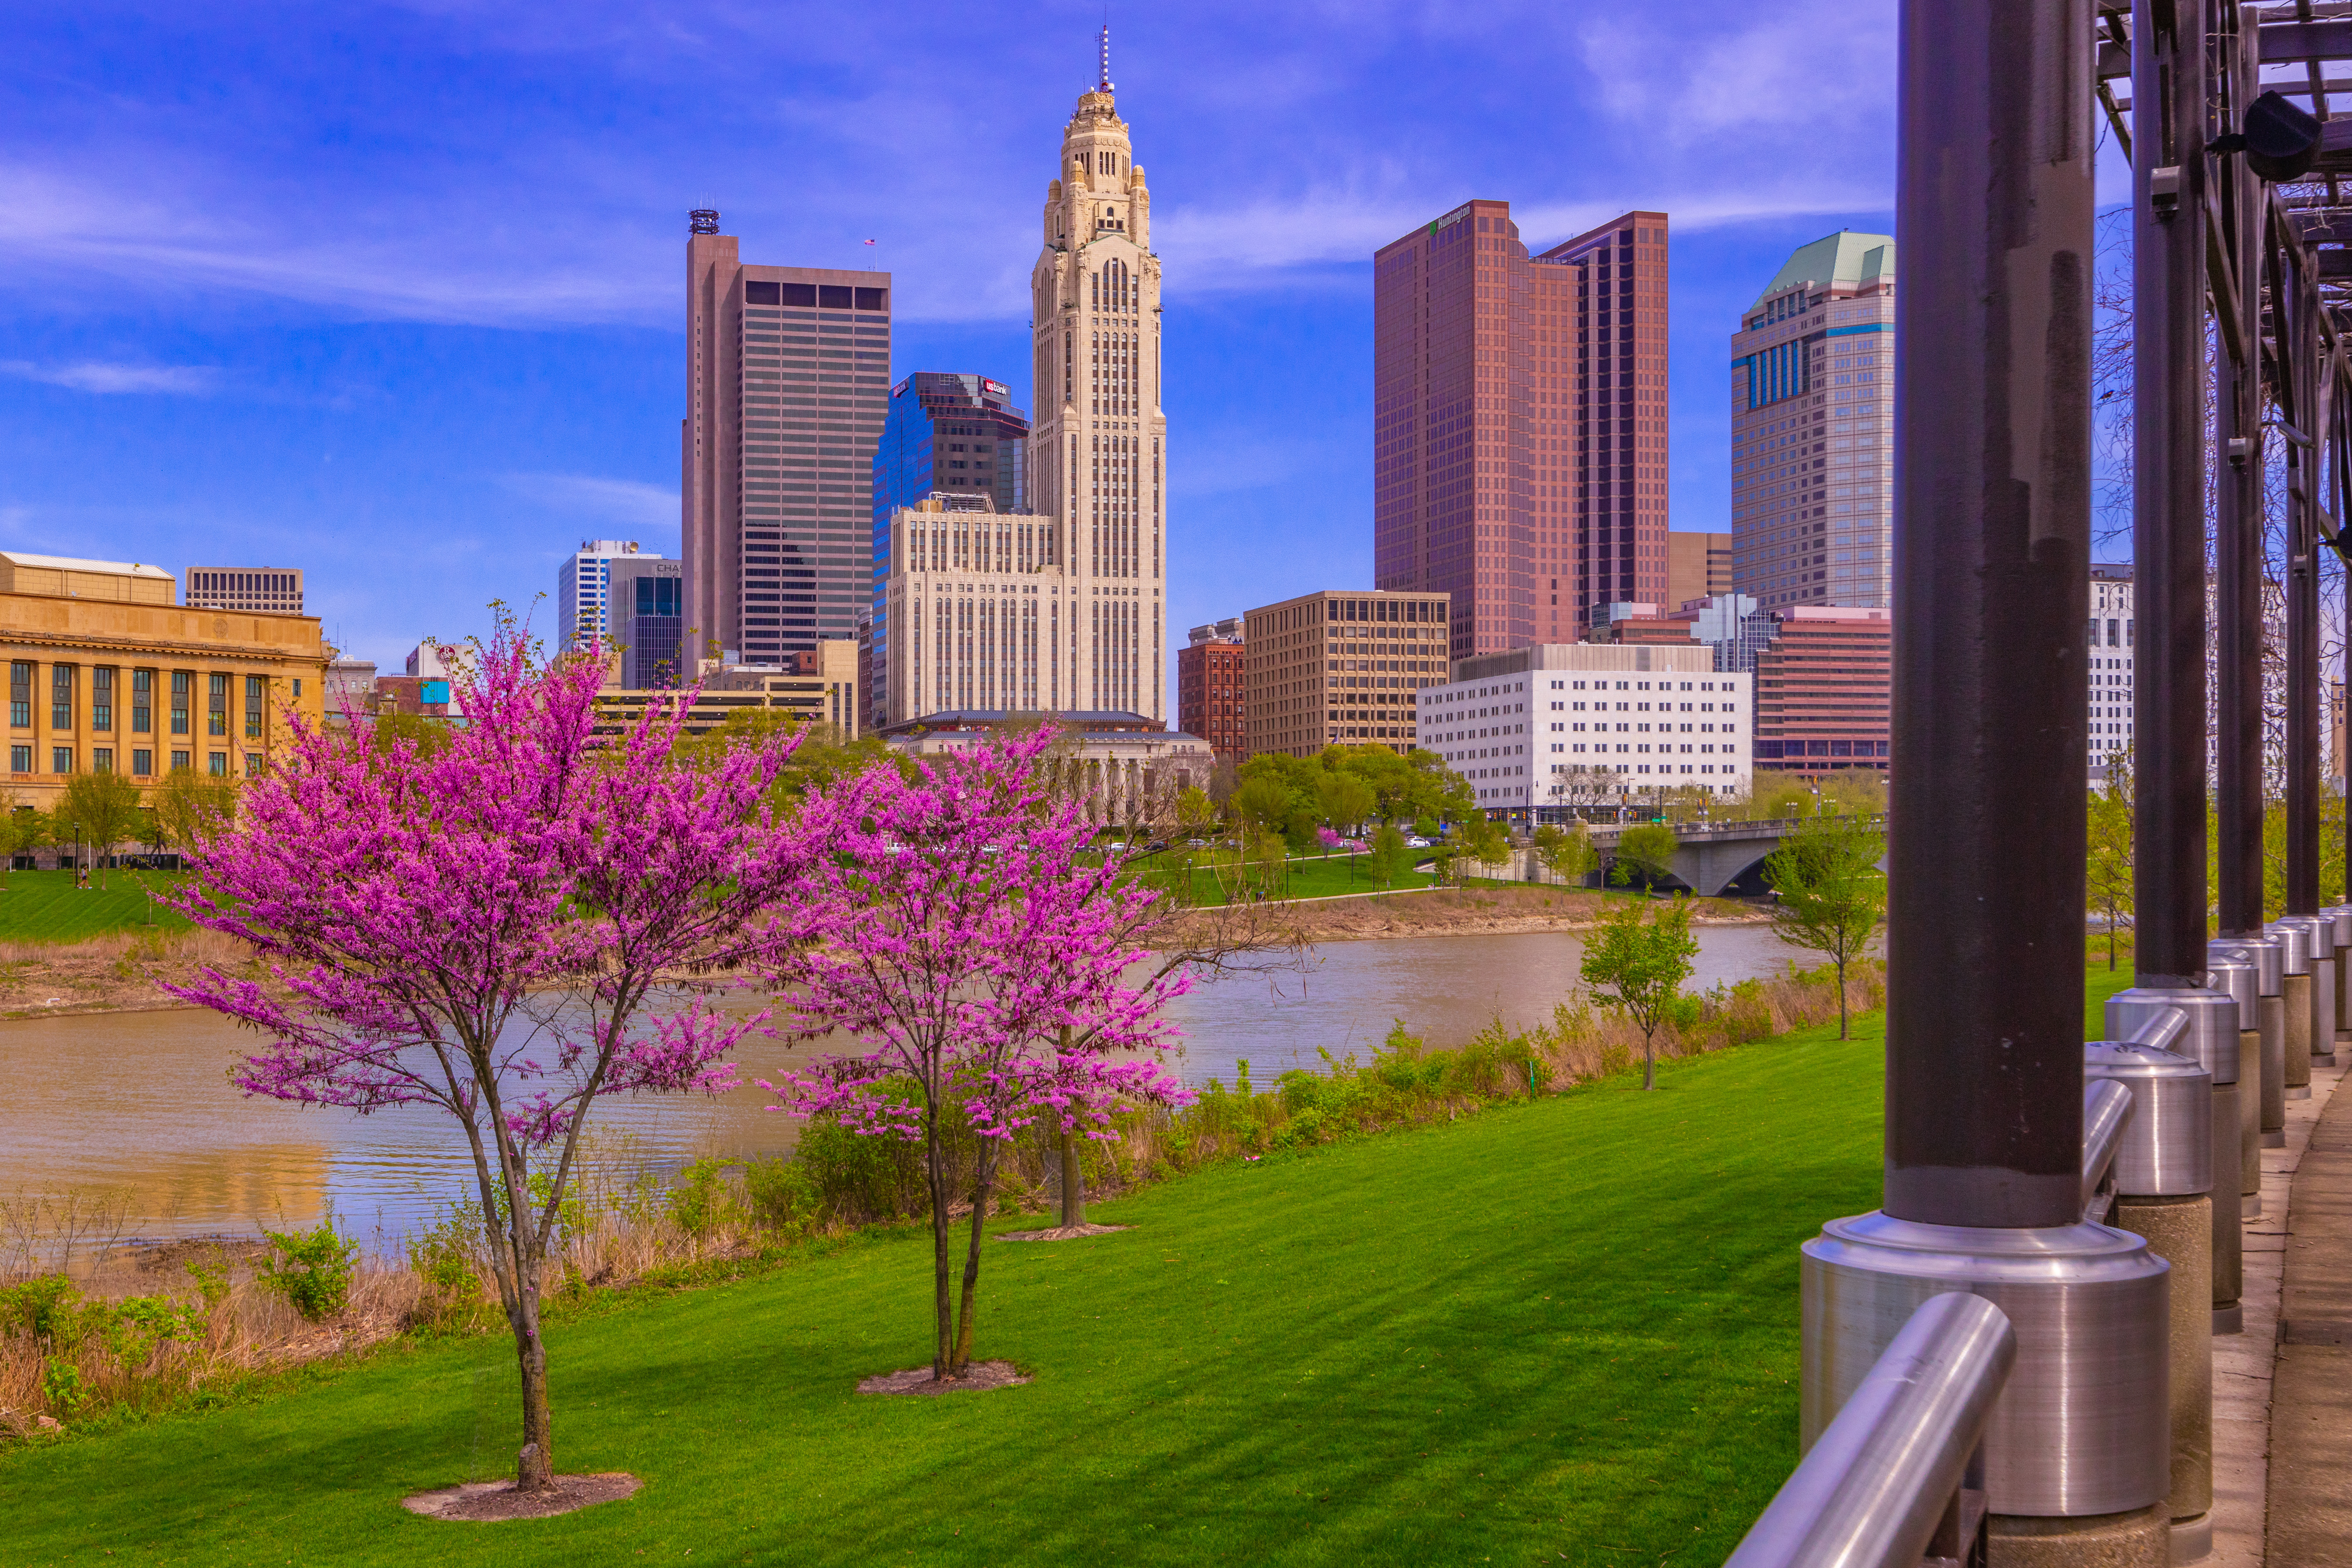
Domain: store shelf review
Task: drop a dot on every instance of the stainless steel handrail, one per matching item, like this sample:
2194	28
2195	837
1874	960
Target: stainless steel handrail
1888	1471
2106	1106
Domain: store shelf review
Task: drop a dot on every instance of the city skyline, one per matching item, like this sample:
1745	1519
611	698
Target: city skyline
426	412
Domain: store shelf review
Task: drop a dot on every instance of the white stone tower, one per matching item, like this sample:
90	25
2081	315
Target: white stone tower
1098	447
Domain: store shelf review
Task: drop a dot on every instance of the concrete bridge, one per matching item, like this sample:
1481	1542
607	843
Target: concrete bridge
1712	860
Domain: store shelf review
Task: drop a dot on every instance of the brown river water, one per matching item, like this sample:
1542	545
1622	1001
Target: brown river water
136	1109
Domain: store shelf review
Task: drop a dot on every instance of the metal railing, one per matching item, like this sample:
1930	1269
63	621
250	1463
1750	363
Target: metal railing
1886	1486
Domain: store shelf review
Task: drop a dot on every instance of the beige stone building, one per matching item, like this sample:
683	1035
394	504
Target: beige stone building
816	686
106	673
1341	669
1124	777
1099	446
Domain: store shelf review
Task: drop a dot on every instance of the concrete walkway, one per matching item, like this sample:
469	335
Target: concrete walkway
2261	1515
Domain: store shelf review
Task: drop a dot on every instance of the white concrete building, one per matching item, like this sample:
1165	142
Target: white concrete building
1566	725
2110	654
583	596
1098	451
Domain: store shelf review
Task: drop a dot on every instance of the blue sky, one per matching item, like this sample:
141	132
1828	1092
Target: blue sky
391	293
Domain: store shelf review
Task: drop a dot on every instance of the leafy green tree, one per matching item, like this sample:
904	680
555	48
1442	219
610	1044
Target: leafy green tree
426	733
1831	894
189	806
20	830
1645	853
99	810
2108	867
1481	839
1566	852
1346	800
1639	965
822	757
1388	856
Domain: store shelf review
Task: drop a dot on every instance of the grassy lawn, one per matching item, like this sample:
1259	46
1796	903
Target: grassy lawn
1565	1331
45	905
1318	876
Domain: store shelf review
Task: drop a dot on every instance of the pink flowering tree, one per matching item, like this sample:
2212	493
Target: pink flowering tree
483	929
979	952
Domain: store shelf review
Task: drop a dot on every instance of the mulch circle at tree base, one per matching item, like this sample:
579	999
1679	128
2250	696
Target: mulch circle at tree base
1062	1233
978	1378
488	1501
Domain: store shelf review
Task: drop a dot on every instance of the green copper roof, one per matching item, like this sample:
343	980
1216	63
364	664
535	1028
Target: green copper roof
1845	257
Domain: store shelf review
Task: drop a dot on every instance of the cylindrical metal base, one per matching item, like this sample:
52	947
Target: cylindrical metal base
2084	1426
2250	1120
2274	1012
2192	1539
2141	1539
2295	1072
2180	1231
2323	1007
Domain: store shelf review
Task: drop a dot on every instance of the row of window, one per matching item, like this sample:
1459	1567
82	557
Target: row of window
106	691
143	761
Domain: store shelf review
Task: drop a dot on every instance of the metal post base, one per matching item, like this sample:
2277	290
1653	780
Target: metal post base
2229	1320
2084	1427
2298	1091
2274	1139
2249	1206
2192	1539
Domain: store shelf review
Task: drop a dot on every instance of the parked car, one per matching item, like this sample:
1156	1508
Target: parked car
1416	842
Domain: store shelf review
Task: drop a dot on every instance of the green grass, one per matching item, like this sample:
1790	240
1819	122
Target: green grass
1565	1331
45	906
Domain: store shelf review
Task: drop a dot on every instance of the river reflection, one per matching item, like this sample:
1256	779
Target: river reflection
139	1105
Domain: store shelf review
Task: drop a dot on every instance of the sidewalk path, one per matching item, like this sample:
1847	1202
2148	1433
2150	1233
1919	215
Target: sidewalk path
2310	1407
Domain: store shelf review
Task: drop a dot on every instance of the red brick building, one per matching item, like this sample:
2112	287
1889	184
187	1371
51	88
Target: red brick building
1824	691
1209	688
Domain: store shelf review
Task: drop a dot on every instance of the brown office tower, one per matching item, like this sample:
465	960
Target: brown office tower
1341	669
1209	688
1824	690
267	590
1520	443
788	379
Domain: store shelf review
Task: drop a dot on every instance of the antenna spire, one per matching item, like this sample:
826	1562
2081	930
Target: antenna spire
1104	41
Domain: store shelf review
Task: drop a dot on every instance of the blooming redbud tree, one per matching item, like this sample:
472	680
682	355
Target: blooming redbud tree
482	927
977	950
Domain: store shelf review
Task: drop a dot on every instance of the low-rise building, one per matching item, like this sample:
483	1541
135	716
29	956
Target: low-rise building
1127	776
1824	691
1209	687
107	673
814	686
1540	731
265	590
1340	667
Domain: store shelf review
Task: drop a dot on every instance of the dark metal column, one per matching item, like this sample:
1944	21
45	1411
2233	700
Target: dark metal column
2168	489
2238	557
1993	210
2302	592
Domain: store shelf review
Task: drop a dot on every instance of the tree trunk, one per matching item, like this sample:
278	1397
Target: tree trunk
980	1195
1074	1183
1841	969
1649	1062
943	1305
535	1465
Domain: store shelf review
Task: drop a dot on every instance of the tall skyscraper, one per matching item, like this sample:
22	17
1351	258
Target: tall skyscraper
1812	428
1099	458
647	603
1519	445
952	435
788	376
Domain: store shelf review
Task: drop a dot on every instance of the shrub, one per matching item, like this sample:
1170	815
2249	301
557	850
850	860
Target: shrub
701	1201
782	1195
312	1270
39	1308
448	1280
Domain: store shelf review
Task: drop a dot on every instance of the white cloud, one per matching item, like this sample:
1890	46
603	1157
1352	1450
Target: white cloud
629	503
1823	71
98	377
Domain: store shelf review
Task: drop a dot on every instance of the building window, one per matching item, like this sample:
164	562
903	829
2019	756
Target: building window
297	688
143	701
61	759
181	683
101	759
101	699
182	761
217	710
20	759
20	699
253	698
61	698
143	764
219	769
253	764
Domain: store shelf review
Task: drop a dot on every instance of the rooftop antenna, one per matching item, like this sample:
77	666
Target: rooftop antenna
1105	84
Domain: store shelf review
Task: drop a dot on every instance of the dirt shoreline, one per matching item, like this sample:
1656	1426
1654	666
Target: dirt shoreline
119	974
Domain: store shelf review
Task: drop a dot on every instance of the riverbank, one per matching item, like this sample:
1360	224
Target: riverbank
1492	910
1539	1327
118	973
